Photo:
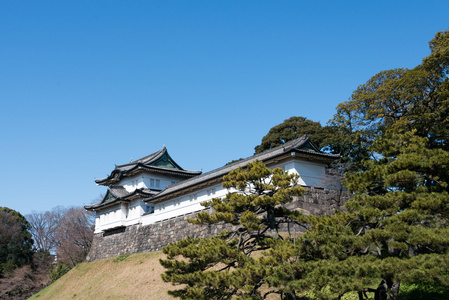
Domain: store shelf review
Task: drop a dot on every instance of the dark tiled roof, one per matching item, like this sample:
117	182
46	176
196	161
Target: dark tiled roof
147	163
146	160
119	194
297	145
303	146
118	191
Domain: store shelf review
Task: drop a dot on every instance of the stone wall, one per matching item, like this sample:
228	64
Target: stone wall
138	238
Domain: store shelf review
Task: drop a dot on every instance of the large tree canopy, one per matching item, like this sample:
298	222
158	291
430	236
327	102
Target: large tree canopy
396	229
395	131
291	129
397	100
15	239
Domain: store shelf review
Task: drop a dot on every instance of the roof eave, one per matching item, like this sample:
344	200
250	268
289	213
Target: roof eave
96	207
287	153
162	170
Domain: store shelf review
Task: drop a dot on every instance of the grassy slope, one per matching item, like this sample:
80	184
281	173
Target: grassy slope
138	277
135	277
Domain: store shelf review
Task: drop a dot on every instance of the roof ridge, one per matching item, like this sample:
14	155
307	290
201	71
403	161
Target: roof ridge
145	158
248	158
241	163
153	156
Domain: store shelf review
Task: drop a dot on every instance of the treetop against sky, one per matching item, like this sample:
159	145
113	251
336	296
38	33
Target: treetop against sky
86	85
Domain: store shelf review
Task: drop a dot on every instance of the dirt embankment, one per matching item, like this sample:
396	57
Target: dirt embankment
22	283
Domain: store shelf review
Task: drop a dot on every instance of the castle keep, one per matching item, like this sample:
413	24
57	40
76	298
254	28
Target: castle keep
148	201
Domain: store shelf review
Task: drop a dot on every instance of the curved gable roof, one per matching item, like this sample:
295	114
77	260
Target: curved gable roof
159	162
117	194
302	146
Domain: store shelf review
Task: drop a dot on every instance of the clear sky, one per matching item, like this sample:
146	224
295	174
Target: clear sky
85	85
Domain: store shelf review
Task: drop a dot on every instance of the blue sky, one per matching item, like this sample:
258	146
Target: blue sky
85	85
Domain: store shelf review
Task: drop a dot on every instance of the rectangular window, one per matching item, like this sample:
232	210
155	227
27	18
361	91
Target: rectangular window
158	183
151	182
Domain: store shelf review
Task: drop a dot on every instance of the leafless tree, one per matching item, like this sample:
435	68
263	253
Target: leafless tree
66	232
44	226
74	235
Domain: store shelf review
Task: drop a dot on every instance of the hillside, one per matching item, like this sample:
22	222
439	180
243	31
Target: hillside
126	277
138	277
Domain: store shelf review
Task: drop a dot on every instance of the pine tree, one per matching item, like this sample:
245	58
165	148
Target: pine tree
395	128
232	264
395	230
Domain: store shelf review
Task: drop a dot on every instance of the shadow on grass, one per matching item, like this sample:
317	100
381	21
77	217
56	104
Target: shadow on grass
408	291
423	291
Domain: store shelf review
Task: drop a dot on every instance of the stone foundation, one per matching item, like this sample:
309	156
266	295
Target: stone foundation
138	238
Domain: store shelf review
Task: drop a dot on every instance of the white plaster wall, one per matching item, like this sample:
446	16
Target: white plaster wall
312	174
122	214
130	183
185	204
145	181
135	210
164	181
108	218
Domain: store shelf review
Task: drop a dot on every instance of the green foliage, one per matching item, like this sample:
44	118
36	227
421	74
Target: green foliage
423	290
15	239
399	100
291	129
395	231
121	258
395	129
6	268
226	265
57	271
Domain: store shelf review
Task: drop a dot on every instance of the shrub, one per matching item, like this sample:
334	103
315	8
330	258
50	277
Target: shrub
6	268
58	271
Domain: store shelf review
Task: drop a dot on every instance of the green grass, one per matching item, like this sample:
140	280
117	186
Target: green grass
120	258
